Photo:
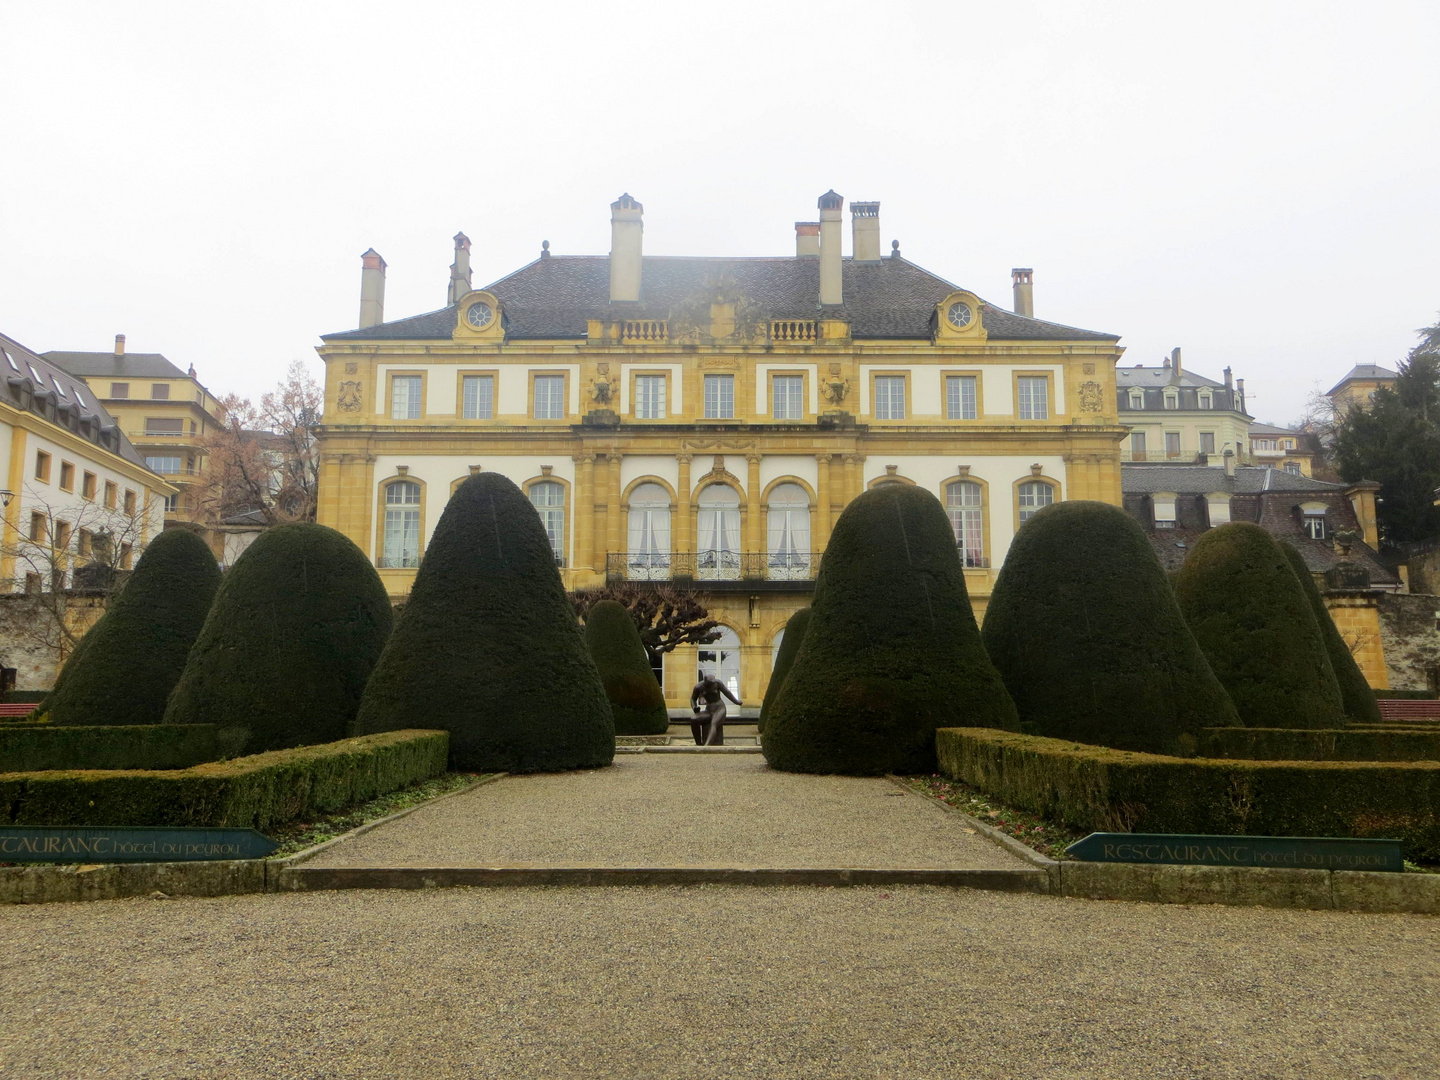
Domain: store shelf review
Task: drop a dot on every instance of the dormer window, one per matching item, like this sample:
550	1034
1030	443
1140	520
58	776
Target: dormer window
1137	399
1313	520
1207	401
1164	509
1172	399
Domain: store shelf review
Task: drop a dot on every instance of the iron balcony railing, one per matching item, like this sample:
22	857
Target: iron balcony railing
712	565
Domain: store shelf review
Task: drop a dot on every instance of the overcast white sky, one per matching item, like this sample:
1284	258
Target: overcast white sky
1257	182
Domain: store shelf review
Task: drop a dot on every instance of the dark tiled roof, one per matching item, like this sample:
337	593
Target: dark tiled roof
1364	371
1203	479
126	366
555	297
1271	429
43	371
1159	376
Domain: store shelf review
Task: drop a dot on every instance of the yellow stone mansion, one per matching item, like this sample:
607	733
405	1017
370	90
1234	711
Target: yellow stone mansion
705	420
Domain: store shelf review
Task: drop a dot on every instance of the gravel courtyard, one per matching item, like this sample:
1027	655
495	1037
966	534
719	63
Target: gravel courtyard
678	810
712	982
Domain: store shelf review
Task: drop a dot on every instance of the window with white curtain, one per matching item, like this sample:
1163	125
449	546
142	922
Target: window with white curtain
648	549
549	397
719	397
478	397
788	548
1034	394
965	504
405	395
402	525
717	534
650	397
548	498
1034	495
960	397
889	397
785	397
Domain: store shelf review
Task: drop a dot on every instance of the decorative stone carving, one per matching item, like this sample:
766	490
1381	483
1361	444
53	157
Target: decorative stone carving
836	390
1090	396
351	368
350	399
602	390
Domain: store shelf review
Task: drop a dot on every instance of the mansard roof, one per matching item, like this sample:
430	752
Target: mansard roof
1140	479
555	297
1141	376
1365	372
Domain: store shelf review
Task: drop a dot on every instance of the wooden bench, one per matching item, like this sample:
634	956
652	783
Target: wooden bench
16	708
1408	709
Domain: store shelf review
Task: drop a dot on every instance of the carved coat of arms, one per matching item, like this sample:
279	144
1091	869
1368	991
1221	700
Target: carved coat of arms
349	399
1090	396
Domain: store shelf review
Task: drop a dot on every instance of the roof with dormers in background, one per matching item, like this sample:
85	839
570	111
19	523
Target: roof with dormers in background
1140	479
1364	372
555	297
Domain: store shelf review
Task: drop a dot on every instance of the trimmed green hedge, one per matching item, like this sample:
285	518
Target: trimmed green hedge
1084	629
1383	695
1103	790
795	628
259	791
1345	744
636	700
1250	615
34	697
37	747
1355	692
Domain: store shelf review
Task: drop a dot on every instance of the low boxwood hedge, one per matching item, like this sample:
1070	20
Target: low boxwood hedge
37	747
1103	790
1406	695
257	791
1341	744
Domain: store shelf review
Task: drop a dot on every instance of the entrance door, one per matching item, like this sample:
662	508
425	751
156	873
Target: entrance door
721	658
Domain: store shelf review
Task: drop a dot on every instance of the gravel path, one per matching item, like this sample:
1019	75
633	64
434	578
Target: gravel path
677	810
708	982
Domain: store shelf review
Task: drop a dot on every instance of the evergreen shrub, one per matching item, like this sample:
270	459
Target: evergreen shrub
124	668
1249	613
37	747
636	701
789	645
892	651
1359	700
291	639
489	648
1084	629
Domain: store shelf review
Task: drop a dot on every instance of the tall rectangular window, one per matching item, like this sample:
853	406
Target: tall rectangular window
111	493
405	395
719	397
960	397
478	397
786	397
965	504
87	485
1034	394
42	466
1137	446
165	464
650	397
160	391
889	397
1172	444
67	476
549	397
1207	442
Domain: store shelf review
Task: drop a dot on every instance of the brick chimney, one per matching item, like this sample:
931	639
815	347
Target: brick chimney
1175	363
372	289
119	346
1022	281
627	228
831	265
459	270
865	231
807	239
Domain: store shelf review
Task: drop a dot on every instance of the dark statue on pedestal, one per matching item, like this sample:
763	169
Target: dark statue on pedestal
706	703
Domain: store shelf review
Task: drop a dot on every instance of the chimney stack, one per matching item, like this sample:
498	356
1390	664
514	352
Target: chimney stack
1175	362
1022	281
372	289
626	232
831	289
1229	458
119	346
807	239
459	270
1228	382
1240	390
865	231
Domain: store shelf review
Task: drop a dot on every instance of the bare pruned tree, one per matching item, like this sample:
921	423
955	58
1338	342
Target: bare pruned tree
666	617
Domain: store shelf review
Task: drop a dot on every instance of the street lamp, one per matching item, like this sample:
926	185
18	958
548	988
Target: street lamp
5	497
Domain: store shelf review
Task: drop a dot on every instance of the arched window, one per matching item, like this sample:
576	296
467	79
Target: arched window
548	498
1034	495
401	547
789	540
775	647
717	547
965	503
649	541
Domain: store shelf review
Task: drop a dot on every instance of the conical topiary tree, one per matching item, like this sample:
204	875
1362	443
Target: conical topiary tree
124	668
784	659
488	647
1359	700
892	651
636	701
294	633
1249	613
1084	628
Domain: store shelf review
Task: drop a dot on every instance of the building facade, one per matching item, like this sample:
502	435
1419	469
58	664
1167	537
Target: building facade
1178	416
704	421
1358	386
165	413
1280	448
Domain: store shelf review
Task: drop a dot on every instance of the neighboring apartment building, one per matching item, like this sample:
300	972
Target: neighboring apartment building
1359	385
1176	415
76	491
165	412
705	420
1280	448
